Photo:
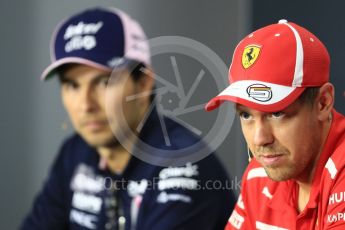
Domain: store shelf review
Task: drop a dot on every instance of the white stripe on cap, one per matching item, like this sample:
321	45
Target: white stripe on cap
298	76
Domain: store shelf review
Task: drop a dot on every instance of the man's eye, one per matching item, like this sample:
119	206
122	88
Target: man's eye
70	85
104	81
244	115
277	114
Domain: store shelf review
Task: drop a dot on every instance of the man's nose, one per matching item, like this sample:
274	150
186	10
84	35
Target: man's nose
88	101
263	135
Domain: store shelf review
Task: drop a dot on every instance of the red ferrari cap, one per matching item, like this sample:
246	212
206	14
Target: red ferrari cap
272	66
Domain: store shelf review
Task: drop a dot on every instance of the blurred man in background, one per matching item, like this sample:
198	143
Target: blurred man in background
97	183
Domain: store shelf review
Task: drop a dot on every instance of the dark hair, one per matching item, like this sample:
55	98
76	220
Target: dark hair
136	69
309	95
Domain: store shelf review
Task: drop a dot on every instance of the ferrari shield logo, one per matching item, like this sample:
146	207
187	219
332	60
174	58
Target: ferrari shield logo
249	56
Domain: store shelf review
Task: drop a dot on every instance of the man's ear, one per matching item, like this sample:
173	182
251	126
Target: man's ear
325	101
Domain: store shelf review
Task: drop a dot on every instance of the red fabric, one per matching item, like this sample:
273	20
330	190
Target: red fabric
276	61
266	204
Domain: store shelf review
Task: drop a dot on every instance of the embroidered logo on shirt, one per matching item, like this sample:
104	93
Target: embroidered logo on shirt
340	216
86	180
164	197
83	219
336	198
188	171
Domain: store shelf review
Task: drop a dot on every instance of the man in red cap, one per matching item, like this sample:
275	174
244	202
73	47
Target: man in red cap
279	82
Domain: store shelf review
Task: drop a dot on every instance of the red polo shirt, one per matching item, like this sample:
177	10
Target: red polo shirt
266	204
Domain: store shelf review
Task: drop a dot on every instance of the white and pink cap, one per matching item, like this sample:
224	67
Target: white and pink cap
272	66
98	37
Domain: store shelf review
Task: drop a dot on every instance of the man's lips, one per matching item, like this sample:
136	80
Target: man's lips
271	159
94	124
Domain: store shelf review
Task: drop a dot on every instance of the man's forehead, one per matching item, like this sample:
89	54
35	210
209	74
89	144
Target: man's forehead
242	108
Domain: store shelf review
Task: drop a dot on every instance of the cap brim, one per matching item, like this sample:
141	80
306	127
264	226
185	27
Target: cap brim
51	69
262	96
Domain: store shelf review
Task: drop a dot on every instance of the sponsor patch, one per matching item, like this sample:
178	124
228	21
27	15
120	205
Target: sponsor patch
180	182
188	171
336	198
86	202
85	180
336	217
164	197
236	220
81	36
83	219
259	92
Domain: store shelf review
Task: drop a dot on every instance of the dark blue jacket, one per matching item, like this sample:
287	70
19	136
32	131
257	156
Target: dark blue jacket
80	195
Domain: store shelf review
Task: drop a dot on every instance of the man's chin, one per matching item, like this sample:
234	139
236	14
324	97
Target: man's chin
279	174
101	142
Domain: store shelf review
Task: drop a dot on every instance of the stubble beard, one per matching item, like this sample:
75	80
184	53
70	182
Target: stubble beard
297	169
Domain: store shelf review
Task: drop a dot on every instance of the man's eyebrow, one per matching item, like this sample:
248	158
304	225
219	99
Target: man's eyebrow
239	108
65	79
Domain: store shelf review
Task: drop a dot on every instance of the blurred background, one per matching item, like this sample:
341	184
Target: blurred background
33	122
